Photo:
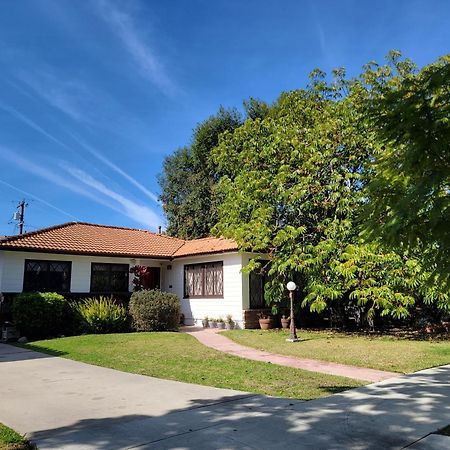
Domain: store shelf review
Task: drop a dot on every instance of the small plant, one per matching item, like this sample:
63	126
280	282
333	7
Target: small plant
205	322
101	315
155	310
229	322
211	322
40	314
220	323
220	320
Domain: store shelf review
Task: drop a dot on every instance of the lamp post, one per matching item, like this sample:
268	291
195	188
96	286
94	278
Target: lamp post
291	286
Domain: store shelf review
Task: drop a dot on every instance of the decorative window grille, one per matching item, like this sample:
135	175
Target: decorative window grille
203	280
47	276
109	278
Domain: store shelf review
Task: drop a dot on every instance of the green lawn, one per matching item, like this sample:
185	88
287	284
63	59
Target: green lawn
10	440
378	352
178	356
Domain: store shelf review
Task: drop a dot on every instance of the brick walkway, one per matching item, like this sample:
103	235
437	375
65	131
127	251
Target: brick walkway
212	338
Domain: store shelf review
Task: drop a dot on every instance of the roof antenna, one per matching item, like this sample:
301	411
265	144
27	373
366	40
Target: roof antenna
159	229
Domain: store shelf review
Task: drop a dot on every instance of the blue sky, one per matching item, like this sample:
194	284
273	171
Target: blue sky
94	94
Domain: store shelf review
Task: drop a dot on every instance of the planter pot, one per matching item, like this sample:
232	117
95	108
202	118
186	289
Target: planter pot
211	324
229	326
285	323
266	324
221	325
205	323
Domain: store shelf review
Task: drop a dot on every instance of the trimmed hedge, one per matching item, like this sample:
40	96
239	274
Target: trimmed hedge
101	315
154	310
40	314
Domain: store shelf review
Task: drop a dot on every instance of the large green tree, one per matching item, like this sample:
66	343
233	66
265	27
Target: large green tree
190	174
409	195
293	186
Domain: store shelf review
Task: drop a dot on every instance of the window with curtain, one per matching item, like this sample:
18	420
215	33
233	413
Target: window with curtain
203	280
47	276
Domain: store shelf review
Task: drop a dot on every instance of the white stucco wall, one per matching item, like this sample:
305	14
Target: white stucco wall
195	309
235	296
12	266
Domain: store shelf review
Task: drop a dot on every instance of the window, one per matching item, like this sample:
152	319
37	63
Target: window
47	276
203	280
109	277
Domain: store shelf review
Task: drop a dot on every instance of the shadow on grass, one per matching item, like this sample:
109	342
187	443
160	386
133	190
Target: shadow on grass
387	415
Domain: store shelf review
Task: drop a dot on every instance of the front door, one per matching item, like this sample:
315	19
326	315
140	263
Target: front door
151	278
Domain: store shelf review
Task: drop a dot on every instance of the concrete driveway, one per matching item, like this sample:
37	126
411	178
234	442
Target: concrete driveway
63	404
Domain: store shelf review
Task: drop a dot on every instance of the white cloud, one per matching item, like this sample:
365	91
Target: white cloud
144	56
50	175
41	200
70	96
26	120
97	154
114	167
137	212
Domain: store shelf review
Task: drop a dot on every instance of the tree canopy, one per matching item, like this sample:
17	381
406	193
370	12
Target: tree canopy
343	185
409	197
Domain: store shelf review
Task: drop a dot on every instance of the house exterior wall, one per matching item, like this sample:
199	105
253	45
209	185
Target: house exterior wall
12	264
195	309
235	284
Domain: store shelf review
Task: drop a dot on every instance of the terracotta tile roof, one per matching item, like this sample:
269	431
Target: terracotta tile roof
91	239
205	246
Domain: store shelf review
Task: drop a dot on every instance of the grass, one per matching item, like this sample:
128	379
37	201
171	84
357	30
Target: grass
388	353
178	356
11	440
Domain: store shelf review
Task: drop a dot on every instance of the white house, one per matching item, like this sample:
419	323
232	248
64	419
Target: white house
81	259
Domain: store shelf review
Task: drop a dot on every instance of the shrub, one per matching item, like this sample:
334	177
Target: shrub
101	315
40	314
154	311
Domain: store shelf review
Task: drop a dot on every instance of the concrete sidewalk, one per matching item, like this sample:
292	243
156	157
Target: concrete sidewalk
211	337
67	405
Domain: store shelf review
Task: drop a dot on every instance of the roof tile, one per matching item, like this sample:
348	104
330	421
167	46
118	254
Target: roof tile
92	239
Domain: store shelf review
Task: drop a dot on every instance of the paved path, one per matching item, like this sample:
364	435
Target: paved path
211	337
67	405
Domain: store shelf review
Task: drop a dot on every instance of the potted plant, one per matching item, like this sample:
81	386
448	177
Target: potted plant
211	322
285	321
265	321
220	323
205	322
229	322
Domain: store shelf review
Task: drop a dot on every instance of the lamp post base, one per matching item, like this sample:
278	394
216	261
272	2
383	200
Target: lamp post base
292	340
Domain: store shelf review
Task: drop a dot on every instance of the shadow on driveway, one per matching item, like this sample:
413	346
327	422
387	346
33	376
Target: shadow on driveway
387	415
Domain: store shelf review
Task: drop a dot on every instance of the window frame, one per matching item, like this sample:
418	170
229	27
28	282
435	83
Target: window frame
48	262
203	266
110	265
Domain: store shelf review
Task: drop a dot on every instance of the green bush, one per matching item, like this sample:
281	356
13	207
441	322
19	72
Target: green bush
101	315
40	314
155	311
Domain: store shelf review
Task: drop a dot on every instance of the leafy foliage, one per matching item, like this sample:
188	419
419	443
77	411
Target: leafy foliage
293	187
409	196
189	177
101	315
154	310
39	314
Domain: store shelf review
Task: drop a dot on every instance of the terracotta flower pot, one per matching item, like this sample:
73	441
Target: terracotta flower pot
285	323
266	324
